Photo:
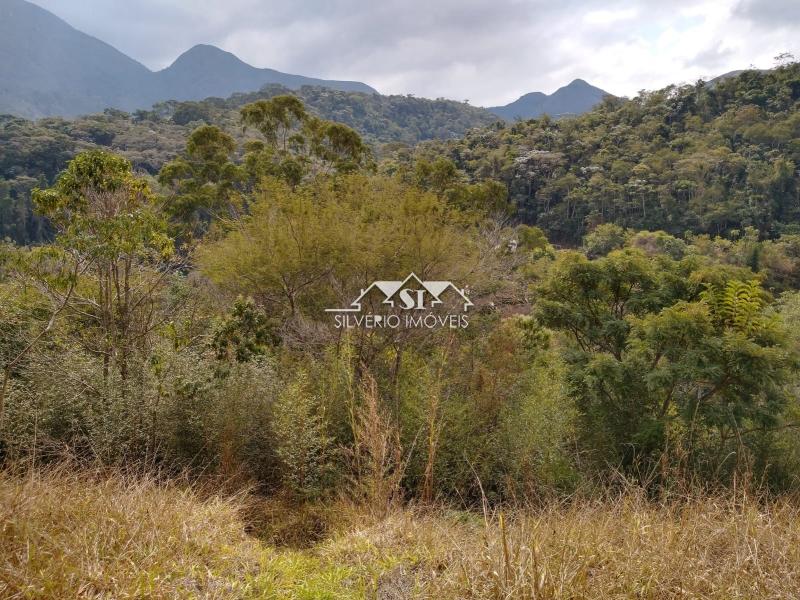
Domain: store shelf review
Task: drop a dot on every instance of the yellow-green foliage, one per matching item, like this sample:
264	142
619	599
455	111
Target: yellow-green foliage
297	248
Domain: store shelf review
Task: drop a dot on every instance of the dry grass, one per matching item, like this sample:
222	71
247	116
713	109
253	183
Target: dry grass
70	535
629	548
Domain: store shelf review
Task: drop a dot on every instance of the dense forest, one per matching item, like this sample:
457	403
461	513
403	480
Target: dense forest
32	153
706	158
634	276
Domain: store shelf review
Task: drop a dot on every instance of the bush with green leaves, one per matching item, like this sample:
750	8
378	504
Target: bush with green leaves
302	444
670	362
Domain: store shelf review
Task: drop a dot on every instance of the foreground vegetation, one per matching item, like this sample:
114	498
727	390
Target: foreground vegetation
99	535
176	327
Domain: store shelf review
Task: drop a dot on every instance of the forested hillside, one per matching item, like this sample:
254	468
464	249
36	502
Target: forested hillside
706	158
32	153
703	158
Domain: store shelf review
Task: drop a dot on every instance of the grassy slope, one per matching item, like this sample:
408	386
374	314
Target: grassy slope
68	535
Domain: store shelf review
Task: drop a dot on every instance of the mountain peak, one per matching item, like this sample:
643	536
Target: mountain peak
576	97
206	55
205	70
578	83
211	48
49	68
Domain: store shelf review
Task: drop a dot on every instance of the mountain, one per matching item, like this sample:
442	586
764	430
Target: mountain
205	71
576	98
48	68
733	74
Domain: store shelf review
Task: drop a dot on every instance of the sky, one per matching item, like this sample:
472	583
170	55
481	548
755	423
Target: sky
486	51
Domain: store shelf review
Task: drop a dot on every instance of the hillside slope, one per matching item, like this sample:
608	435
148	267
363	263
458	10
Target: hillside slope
709	159
48	68
33	152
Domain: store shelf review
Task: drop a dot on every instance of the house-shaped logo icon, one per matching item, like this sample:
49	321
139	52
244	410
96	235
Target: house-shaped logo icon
412	293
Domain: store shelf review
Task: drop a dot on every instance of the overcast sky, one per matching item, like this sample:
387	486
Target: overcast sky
487	51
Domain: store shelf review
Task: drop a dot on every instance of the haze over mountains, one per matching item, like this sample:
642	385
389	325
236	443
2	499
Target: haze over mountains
49	68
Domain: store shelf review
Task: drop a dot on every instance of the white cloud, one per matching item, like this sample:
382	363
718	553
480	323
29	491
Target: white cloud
609	17
489	51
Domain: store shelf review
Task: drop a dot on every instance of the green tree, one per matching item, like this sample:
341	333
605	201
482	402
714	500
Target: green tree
244	334
108	222
656	362
296	144
603	239
203	182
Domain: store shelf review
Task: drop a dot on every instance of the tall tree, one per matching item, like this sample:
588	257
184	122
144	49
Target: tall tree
202	182
108	220
296	144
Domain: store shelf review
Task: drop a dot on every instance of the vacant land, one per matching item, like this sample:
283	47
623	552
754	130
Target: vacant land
88	535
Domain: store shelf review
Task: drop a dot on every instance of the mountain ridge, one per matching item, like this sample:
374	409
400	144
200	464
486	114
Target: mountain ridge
205	70
49	68
576	97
